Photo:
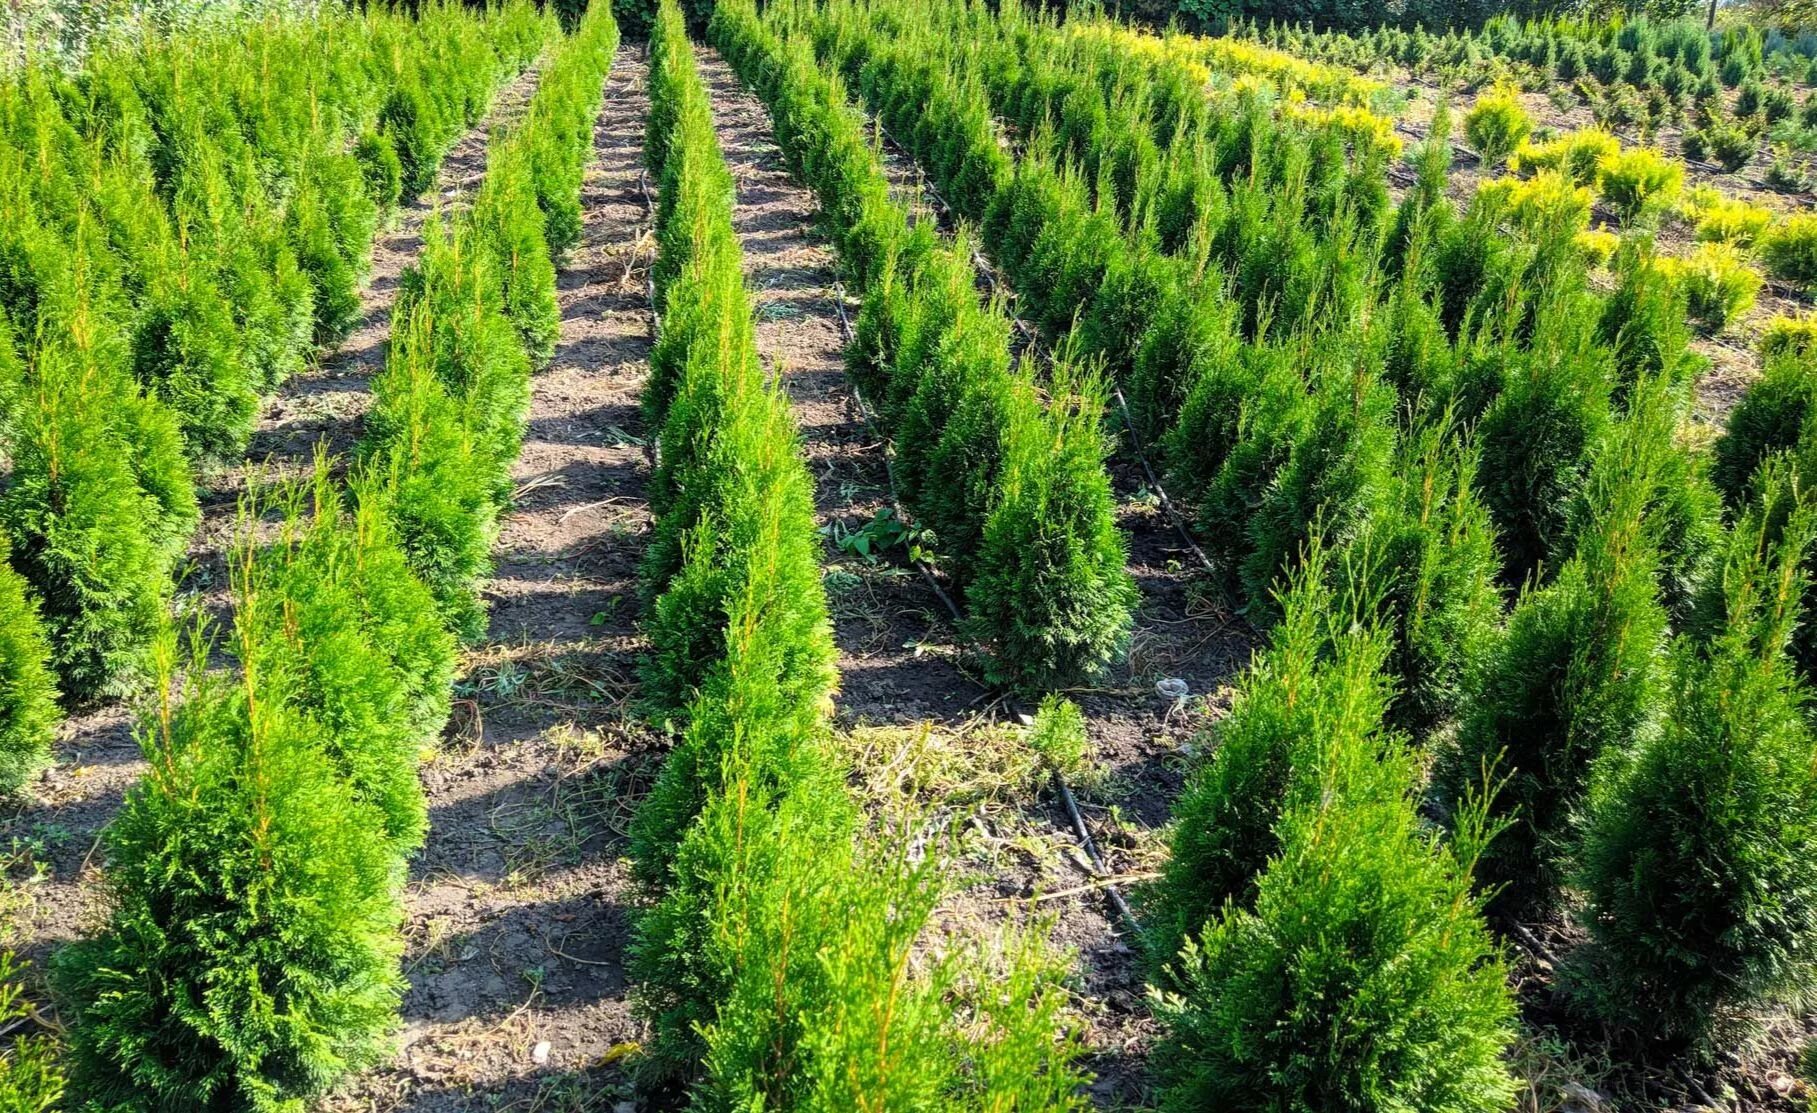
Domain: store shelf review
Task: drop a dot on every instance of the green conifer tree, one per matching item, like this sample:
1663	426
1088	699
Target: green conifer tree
1700	852
1052	595
249	960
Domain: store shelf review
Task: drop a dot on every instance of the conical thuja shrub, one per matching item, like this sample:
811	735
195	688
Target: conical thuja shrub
1574	677
1771	417
1536	440
99	503
1429	561
949	444
1321	673
1700	855
1052	596
1190	333
717	388
753	552
249	958
510	225
1335	479
1411	1010
1236	433
333	278
351	641
750	899
432	477
708	312
751	785
477	355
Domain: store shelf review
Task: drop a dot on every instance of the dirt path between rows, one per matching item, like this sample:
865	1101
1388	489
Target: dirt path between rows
898	661
519	906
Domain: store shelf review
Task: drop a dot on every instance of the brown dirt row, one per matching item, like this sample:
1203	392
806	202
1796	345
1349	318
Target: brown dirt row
906	691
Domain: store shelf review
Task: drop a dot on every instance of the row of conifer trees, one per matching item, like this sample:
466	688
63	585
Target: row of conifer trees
1003	468
1322	373
775	961
250	959
182	224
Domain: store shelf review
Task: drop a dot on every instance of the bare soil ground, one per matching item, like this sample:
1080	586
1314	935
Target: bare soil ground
908	700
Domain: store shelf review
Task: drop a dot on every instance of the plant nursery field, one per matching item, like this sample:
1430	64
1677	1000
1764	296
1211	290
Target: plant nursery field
905	555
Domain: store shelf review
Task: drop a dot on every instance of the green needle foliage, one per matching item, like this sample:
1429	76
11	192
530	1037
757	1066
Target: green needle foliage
1536	440
1771	417
1251	418
184	220
1011	488
352	641
781	922
512	225
1051	593
28	688
97	513
1336	477
1700	854
250	960
428	469
250	957
1411	1010
1216	251
33	1071
463	291
757	515
475	316
1575	679
1496	124
734	537
1320	674
1430	560
559	125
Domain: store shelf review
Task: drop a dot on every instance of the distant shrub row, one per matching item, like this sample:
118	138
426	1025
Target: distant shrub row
1011	485
255	874
782	923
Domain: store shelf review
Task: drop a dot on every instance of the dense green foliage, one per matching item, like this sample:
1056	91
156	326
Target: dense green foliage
477	312
184	221
1771	417
1495	126
1440	398
28	689
250	957
1010	487
1412	1011
1698	859
1320	675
